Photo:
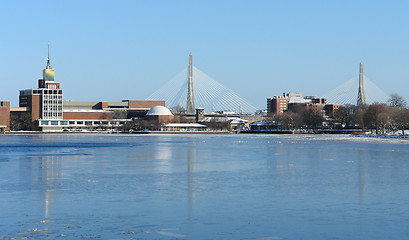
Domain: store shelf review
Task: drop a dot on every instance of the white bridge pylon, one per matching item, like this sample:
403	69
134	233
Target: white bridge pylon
347	93
208	94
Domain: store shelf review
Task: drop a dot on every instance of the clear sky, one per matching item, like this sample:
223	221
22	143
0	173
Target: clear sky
114	50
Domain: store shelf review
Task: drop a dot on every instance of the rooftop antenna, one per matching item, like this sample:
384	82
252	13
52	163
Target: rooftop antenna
48	58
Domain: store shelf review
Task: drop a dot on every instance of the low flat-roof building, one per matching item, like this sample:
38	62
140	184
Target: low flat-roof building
183	127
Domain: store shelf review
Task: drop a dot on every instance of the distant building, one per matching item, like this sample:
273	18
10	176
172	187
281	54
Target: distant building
232	123
161	115
277	105
4	116
44	102
332	110
296	102
183	127
50	113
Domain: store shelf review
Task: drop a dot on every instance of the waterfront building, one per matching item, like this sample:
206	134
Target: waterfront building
4	116
277	104
45	101
230	123
296	102
49	113
183	127
332	110
161	115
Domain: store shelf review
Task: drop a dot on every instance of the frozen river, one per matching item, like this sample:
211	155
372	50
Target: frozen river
203	187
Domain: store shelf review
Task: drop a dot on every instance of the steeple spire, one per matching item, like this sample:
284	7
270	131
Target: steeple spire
48	59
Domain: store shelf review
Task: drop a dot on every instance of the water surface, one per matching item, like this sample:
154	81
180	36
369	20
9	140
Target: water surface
203	187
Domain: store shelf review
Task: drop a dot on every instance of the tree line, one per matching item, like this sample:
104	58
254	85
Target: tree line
379	118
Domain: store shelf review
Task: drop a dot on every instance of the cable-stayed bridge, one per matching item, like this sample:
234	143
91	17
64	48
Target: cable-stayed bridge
347	93
207	93
191	88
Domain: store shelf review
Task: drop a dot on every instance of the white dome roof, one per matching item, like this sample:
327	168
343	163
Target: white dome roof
159	111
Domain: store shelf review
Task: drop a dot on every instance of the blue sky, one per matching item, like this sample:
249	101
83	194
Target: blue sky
114	50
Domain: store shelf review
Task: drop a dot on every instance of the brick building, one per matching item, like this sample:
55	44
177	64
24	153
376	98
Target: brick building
51	114
277	105
4	116
280	104
332	109
295	102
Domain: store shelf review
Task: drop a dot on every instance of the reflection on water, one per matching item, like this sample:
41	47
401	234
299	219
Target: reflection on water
361	177
203	187
190	170
50	172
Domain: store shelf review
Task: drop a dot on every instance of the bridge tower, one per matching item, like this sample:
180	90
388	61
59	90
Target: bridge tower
190	94
361	91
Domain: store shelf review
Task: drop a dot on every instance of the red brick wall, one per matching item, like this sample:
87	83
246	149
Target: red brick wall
145	103
274	105
35	107
57	85
87	115
33	104
104	105
332	109
5	114
163	119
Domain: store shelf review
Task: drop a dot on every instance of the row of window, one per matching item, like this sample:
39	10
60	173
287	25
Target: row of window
39	91
55	108
52	91
86	123
48	96
54	123
52	114
46	103
89	123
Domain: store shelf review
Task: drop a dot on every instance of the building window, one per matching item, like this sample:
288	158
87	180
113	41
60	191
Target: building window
44	122
63	123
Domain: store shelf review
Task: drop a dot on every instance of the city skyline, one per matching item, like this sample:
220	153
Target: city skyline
127	50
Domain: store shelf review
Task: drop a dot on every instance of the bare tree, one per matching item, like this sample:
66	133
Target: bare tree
346	115
218	125
396	101
399	119
377	117
178	109
311	119
141	124
287	120
22	121
119	114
